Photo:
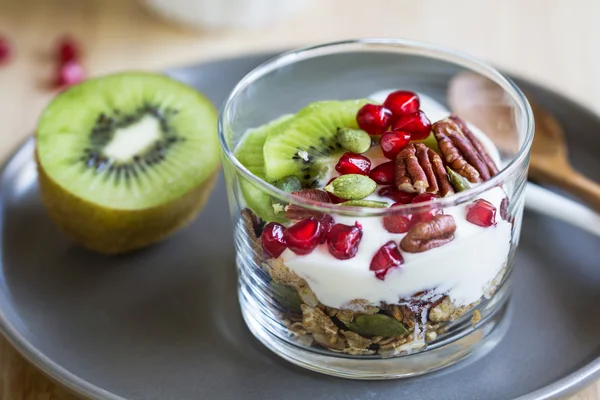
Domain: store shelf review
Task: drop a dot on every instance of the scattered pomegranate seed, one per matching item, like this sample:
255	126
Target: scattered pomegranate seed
68	50
392	193
273	243
402	102
482	213
387	257
504	209
334	199
427	215
383	174
69	74
392	142
417	124
5	50
396	223
351	163
327	222
343	240
373	119
303	236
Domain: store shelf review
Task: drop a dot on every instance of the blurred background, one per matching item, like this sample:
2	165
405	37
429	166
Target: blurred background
553	42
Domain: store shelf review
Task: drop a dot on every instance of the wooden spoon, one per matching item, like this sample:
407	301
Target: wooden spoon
482	102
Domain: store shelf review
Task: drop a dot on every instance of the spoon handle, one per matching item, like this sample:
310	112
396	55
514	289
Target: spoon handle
582	187
554	205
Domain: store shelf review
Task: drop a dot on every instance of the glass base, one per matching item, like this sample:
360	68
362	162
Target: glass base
467	342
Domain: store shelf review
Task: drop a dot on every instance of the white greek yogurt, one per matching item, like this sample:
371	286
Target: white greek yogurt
462	269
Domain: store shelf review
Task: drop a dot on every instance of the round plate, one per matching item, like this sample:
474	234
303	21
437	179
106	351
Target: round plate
164	323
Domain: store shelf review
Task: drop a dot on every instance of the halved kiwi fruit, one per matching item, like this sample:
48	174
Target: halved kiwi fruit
126	159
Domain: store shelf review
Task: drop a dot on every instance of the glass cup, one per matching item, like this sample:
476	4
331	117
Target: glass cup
406	302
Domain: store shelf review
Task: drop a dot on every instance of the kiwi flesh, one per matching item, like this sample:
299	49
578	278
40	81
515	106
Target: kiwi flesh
125	160
305	145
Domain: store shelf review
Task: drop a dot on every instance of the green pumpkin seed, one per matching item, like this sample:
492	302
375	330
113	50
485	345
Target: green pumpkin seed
290	183
459	182
354	140
377	325
365	203
352	187
286	296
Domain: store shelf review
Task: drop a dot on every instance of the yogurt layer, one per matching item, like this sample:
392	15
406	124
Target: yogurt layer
462	269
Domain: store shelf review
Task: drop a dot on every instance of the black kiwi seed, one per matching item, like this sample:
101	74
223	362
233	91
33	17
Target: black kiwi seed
307	176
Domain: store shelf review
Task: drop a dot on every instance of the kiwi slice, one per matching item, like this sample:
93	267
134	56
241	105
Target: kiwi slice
126	159
305	144
249	152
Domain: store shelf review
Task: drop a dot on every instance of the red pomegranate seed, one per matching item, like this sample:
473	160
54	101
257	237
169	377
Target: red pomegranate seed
5	50
303	236
69	74
373	119
402	102
417	124
482	213
327	222
351	163
427	215
343	240
386	258
68	50
383	174
424	197
392	142
392	193
504	209
396	223
273	243
334	199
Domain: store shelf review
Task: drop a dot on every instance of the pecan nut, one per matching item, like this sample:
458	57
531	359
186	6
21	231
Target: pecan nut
428	235
462	151
420	169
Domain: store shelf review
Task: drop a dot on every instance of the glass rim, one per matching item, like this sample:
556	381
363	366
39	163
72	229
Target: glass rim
381	44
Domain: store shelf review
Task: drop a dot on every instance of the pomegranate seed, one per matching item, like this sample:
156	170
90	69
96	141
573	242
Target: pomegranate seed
334	199
387	257
327	222
68	50
69	74
392	142
373	119
351	163
427	215
392	193
343	240
293	211
303	236
383	174
5	50
273	243
482	213
402	102
424	197
396	223
504	209
417	124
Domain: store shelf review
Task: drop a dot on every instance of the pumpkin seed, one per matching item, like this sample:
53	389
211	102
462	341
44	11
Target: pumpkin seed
286	296
377	325
354	140
365	203
290	183
459	182
352	187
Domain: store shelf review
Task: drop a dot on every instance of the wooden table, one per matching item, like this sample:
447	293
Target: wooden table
550	41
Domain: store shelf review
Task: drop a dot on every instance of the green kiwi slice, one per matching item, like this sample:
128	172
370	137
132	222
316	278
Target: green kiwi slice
126	159
305	144
249	152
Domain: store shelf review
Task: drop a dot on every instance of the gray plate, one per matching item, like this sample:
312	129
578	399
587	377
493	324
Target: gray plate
165	324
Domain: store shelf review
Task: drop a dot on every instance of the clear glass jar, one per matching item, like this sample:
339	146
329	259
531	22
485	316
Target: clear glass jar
348	317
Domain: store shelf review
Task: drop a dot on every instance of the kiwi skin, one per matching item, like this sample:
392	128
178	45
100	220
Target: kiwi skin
112	231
